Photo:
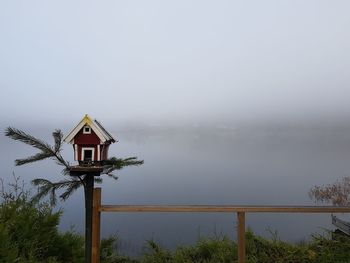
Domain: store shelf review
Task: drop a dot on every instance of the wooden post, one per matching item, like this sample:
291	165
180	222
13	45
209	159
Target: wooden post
89	188
241	237
88	173
96	225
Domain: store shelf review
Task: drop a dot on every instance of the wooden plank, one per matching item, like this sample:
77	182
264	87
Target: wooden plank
96	225
88	170
241	237
341	224
224	209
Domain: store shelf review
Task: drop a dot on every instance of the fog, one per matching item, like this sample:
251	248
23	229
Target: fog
202	164
228	102
180	60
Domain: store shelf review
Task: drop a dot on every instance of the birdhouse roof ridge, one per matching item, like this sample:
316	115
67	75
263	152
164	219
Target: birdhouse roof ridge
110	137
100	131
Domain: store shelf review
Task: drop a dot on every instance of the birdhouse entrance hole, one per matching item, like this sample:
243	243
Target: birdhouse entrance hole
88	154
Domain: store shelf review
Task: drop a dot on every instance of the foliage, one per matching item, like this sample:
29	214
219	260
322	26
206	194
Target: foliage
208	250
265	251
28	231
28	234
46	151
109	252
334	248
155	253
337	193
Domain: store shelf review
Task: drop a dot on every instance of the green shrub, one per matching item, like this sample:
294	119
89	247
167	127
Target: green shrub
266	251
109	252
321	249
334	248
208	250
28	231
155	253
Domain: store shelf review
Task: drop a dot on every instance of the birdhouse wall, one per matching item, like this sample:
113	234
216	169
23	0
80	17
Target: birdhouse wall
86	139
87	142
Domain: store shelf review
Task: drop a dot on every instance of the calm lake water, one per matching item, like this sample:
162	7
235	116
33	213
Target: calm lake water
204	165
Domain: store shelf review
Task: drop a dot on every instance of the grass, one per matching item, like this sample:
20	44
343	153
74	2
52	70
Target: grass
329	248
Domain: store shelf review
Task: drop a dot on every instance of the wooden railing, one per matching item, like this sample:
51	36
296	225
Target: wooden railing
240	210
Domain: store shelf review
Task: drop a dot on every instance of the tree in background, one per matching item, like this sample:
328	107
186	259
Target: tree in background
337	193
69	184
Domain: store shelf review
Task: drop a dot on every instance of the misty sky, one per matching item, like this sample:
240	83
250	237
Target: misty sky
120	60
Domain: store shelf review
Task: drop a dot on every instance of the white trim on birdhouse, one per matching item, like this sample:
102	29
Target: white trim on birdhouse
83	149
98	153
75	152
101	132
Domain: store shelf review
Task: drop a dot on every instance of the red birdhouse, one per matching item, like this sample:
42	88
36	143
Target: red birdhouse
90	142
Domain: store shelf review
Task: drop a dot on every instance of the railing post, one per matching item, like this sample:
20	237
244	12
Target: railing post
241	237
96	225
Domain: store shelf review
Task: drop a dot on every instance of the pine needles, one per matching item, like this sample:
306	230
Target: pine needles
53	152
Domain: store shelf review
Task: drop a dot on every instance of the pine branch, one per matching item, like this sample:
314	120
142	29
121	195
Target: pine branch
71	189
53	199
19	135
47	150
57	135
43	189
98	180
31	159
132	161
119	162
60	161
46	187
112	176
114	163
65	171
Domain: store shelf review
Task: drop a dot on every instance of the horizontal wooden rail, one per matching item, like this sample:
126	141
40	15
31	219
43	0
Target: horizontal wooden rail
240	210
224	209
